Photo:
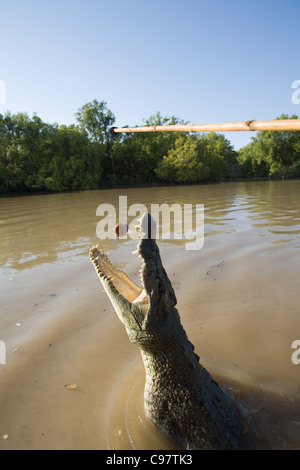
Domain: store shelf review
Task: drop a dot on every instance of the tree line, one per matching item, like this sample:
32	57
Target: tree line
38	156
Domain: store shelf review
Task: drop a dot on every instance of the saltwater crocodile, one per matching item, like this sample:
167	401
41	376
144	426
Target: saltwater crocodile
180	397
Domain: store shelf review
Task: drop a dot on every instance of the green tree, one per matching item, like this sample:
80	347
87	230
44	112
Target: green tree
280	149
140	153
37	156
95	119
6	137
74	163
272	153
182	163
251	160
22	149
218	156
196	158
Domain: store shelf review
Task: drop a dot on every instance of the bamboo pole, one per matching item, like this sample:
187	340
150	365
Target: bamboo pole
275	125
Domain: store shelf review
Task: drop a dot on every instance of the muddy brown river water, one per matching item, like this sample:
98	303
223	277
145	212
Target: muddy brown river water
70	378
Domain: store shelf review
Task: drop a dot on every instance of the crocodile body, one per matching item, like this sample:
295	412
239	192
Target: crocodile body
180	398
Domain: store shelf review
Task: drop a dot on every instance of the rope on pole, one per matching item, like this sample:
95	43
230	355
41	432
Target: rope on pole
275	125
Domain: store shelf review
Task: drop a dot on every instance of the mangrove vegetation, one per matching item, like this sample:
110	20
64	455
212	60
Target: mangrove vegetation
38	156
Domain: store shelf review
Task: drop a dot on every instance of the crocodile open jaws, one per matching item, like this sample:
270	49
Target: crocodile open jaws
180	398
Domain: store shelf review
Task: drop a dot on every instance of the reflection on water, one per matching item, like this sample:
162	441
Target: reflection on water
45	228
238	299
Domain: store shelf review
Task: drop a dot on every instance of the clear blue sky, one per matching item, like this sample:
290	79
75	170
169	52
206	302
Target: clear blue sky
202	61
